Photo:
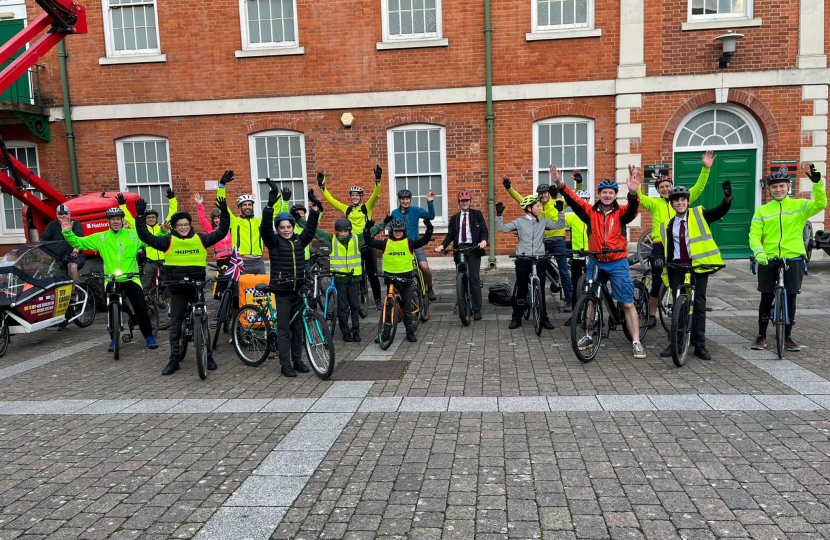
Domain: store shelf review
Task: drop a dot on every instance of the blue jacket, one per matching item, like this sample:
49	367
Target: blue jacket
412	218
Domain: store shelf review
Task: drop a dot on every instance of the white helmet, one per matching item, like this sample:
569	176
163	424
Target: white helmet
245	198
583	194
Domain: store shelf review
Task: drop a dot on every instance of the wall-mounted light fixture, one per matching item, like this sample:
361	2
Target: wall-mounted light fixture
729	41
347	120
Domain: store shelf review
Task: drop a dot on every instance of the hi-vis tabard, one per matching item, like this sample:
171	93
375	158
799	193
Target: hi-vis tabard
702	246
345	258
397	257
186	252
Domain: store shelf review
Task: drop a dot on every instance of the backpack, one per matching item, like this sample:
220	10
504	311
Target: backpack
363	210
500	295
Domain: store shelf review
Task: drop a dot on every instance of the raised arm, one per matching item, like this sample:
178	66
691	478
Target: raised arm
173	204
310	227
122	204
161	243
719	211
266	228
214	237
423	240
697	189
321	181
819	201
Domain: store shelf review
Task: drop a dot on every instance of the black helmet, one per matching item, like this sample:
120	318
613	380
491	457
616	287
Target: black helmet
781	175
404	194
151	211
114	213
678	192
296	208
397	225
342	224
216	213
180	215
542	188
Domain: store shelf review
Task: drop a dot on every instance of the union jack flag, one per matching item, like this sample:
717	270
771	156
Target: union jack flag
236	266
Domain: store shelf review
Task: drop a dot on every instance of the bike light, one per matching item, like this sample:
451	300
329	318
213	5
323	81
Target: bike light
118	272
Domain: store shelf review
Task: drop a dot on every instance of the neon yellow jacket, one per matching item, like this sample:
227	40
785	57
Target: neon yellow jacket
118	250
548	211
661	210
579	231
152	254
356	214
777	226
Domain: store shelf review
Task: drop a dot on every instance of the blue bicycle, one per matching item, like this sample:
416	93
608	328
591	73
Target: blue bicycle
330	299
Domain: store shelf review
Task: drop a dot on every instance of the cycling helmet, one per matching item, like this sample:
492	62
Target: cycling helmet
62	209
404	193
245	198
781	175
542	188
528	201
608	184
465	195
678	192
294	211
356	189
282	216
397	225
216	213
658	178
151	211
583	194
180	215
114	212
342	224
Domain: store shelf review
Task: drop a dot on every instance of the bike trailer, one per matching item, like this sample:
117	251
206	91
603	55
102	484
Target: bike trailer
500	294
247	288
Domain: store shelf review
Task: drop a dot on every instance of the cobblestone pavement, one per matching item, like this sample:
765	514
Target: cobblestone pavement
490	433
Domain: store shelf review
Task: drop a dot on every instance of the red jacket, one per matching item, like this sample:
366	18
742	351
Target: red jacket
604	230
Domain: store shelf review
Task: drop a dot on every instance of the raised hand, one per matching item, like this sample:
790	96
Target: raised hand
271	184
387	219
499	208
313	201
555	175
635	178
814	174
273	197
708	159
222	204
198	198
430	196
166	227
140	207
559	205
226	179
65	221
506	182
121	199
378	173
286	194
727	189
321	180
170	194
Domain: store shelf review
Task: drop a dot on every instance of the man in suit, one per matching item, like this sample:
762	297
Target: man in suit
467	229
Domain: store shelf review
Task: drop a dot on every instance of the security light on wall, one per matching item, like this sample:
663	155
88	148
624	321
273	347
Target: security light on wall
729	41
347	119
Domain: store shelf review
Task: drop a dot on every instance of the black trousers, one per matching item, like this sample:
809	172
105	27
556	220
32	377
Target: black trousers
474	271
370	266
348	296
289	339
577	269
406	300
180	297
676	278
765	313
135	296
523	269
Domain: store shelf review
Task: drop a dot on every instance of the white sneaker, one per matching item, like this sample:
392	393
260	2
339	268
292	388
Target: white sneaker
585	342
639	350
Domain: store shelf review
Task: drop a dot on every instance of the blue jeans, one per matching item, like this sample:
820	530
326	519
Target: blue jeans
556	245
622	286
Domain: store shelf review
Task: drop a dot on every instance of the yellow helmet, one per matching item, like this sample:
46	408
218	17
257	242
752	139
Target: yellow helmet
528	201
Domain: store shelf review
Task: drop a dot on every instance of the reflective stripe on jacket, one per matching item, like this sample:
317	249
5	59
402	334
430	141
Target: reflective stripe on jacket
661	210
346	258
702	246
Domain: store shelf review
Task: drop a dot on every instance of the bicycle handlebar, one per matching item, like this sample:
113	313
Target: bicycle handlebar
463	250
587	253
689	267
392	277
533	257
95	274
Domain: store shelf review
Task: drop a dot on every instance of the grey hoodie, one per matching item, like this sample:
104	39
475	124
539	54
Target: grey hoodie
531	232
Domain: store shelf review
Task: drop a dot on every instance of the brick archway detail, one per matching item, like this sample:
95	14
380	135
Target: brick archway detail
563	109
402	119
142	128
289	124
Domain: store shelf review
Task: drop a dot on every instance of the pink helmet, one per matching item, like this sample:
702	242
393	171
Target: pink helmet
465	195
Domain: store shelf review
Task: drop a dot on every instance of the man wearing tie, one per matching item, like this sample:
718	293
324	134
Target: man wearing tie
687	239
467	229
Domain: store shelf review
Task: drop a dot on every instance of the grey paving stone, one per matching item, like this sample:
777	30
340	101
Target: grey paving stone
380	404
289	405
349	389
424	404
230	523
679	402
812	387
324	421
626	403
821	400
733	402
151	406
59	406
195	406
574	403
290	463
523	404
305	440
788	403
335	404
268	491
107	406
473	404
242	405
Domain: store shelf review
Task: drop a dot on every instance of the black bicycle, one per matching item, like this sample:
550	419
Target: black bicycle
227	300
532	303
780	314
463	284
684	302
195	327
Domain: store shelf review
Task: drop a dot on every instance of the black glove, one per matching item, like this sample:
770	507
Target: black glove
286	194
140	206
313	201
553	191
121	199
559	205
658	262
506	182
387	219
499	208
170	194
368	227
222	204
273	197
577	176
271	184
378	173
814	174
226	179
727	189
321	180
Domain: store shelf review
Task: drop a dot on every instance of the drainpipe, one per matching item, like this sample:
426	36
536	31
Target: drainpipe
67	118
489	117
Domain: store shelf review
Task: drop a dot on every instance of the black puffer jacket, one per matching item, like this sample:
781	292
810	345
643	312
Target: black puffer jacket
287	256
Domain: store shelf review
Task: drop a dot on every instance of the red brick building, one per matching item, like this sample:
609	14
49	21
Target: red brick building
167	93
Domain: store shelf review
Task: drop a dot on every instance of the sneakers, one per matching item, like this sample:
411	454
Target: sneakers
652	321
211	364
515	323
111	347
378	305
347	337
431	295
355	336
410	336
639	350
585	342
759	343
172	367
791	345
666	353
702	353
62	326
546	324
288	371
151	343
477	316
300	366
568	322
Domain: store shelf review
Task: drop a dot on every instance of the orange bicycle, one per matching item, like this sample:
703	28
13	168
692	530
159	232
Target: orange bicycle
392	311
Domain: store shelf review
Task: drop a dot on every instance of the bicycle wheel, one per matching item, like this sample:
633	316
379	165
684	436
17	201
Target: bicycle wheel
586	327
536	305
318	344
226	320
462	298
223	314
641	305
363	310
681	329
665	303
251	335
387	323
330	308
157	298
780	322
86	317
4	337
114	314
201	336
323	283
644	245
153	314
526	306
423	301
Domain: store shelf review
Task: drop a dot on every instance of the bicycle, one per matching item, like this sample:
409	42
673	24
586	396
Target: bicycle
644	247
392	309
684	303
226	304
664	297
254	329
331	299
534	299
463	284
780	314
156	296
195	326
81	309
587	318
419	292
116	306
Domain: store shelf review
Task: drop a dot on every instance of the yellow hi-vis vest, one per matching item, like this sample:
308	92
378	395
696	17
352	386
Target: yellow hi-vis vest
702	246
345	258
186	252
397	258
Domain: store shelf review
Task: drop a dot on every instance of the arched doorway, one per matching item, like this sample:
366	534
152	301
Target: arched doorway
736	139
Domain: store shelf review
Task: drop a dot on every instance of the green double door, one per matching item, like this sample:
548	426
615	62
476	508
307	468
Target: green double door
19	90
738	166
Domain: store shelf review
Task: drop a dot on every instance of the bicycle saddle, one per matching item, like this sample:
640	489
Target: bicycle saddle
262	287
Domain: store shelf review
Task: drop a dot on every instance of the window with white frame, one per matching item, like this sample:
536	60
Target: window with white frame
411	19
144	168
568	143
719	9
418	162
268	24
131	27
280	156
552	15
11	209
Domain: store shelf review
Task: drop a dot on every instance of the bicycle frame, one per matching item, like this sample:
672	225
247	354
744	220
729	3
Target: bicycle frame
782	265
614	312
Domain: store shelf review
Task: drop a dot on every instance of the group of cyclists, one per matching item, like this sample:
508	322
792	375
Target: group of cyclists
681	235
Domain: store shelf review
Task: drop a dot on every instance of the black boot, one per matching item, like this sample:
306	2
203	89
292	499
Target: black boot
211	364
288	371
347	337
410	336
356	335
300	366
515	323
172	366
666	353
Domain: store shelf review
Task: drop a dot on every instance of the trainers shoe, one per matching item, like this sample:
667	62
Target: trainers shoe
585	342
515	323
759	343
347	337
151	343
288	371
410	336
568	322
431	295
546	324
666	353
62	326
791	345
211	364
477	315
652	321
172	367
355	336
378	305
639	351
111	347
702	353
300	366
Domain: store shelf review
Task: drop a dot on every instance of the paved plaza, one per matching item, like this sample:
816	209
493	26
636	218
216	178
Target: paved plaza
488	434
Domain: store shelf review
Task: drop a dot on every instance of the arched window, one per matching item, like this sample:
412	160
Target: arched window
714	127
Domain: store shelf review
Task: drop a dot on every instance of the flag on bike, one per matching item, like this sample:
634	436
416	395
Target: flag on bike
236	266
